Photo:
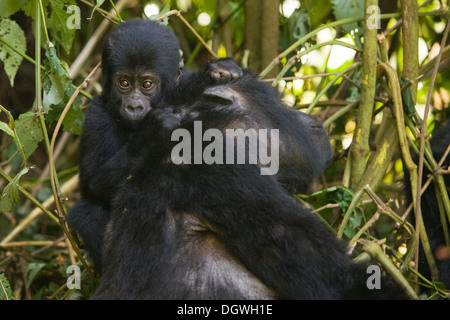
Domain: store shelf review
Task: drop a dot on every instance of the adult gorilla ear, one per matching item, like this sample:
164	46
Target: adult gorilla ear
219	95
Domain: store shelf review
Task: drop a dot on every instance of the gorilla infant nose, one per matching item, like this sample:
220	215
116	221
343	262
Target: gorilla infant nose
134	109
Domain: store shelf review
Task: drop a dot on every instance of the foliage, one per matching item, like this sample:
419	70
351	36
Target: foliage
5	288
320	70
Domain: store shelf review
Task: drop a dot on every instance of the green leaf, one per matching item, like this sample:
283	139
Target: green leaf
162	12
11	35
4	127
9	7
30	7
10	129
301	23
407	100
33	270
5	288
57	24
57	92
97	5
29	131
73	122
56	82
344	9
353	223
10	194
318	11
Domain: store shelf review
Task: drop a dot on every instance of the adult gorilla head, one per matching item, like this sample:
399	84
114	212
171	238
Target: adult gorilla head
138	67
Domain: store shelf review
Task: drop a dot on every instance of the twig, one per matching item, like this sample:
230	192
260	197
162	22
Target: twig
375	251
423	131
329	84
47	244
180	16
310	76
66	187
400	21
91	44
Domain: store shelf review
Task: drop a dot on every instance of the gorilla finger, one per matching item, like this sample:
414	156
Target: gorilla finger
235	75
215	75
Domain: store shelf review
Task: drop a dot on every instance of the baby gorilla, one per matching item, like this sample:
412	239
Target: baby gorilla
140	64
210	231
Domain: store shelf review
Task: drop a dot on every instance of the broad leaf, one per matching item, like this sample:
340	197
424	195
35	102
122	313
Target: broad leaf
344	9
10	194
9	7
57	24
29	131
5	288
318	11
11	35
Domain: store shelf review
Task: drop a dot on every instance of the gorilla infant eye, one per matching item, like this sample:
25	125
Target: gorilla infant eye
123	83
147	84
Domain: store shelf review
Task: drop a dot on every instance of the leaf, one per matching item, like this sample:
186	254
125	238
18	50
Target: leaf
57	24
356	76
30	7
407	100
301	23
33	270
97	5
10	194
29	132
318	11
162	12
10	129
73	122
5	288
11	33
57	92
344	9
4	127
9	7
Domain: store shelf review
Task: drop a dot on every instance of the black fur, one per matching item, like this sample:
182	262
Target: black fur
220	231
138	45
133	47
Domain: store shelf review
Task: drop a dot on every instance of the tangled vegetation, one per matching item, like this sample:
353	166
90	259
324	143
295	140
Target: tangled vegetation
371	78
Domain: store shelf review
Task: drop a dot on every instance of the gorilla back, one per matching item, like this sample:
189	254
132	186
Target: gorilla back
199	231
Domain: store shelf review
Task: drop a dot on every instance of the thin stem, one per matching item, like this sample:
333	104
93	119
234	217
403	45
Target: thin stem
180	16
338	114
298	56
104	12
44	24
331	25
375	251
423	134
329	84
31	198
349	212
117	12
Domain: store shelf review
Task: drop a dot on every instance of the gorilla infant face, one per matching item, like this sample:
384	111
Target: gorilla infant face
136	91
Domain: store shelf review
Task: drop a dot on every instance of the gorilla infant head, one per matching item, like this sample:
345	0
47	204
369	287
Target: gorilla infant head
141	62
